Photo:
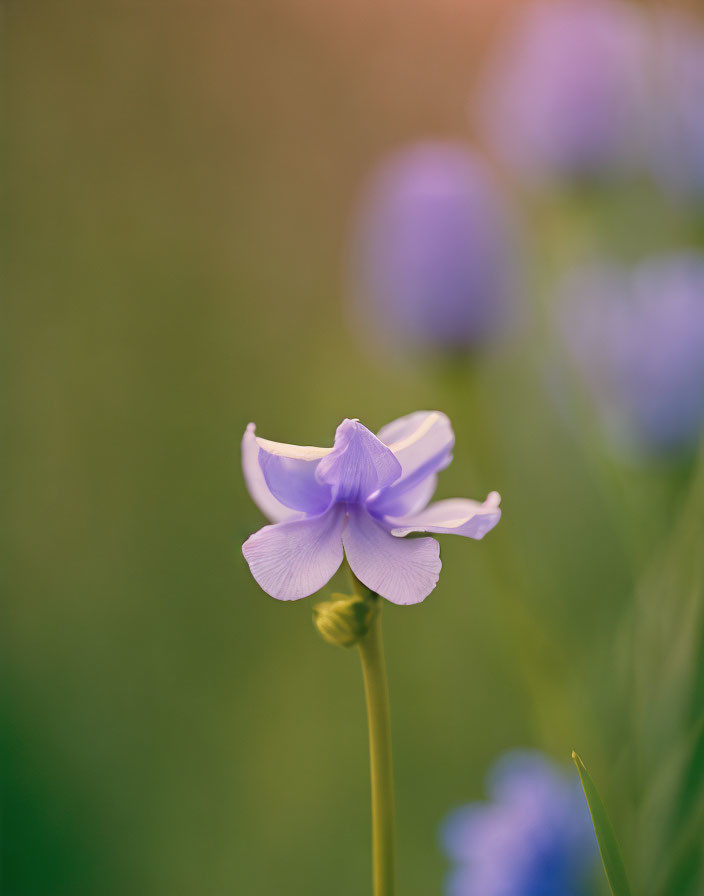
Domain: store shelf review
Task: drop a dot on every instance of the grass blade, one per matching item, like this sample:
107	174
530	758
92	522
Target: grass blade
606	838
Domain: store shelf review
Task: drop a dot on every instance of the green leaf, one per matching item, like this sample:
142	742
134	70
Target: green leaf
666	695
606	838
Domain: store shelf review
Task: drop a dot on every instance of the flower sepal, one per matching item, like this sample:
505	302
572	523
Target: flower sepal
345	619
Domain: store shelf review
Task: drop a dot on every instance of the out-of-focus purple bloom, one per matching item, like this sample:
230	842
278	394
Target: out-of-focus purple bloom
434	252
534	837
637	339
678	101
359	497
565	94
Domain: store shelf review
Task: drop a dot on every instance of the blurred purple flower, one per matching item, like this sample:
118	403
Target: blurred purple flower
361	496
564	94
637	339
678	93
535	837
434	252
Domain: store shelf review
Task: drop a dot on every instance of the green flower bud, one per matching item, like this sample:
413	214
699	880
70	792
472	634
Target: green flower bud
345	620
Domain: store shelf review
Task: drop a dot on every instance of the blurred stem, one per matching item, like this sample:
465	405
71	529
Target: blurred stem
371	651
528	638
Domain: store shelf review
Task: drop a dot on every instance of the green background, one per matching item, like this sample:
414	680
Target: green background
181	179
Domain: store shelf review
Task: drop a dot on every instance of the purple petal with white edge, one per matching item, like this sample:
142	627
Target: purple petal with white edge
259	491
294	559
359	464
404	572
422	442
456	516
289	473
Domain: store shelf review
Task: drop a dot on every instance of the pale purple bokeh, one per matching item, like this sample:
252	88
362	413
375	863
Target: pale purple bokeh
564	94
636	337
678	104
357	499
533	838
434	260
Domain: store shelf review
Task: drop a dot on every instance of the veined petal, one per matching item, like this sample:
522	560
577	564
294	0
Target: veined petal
413	500
358	465
404	572
259	491
422	443
294	559
289	474
458	516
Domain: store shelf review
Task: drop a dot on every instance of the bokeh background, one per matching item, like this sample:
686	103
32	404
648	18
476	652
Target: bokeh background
181	190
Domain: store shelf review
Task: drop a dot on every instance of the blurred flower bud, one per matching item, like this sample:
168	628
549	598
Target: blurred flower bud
564	95
434	257
637	340
343	621
535	836
678	101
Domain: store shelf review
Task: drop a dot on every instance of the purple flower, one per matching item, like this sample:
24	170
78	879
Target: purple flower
565	93
361	496
433	255
678	93
637	339
535	837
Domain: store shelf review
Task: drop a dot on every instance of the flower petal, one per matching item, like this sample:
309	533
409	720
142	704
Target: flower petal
461	830
359	464
259	491
404	572
457	516
289	473
413	500
422	443
294	559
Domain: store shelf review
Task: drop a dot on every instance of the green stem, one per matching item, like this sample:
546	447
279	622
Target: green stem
371	651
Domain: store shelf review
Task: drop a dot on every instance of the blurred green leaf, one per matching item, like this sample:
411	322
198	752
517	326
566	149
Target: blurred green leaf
667	749
605	835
